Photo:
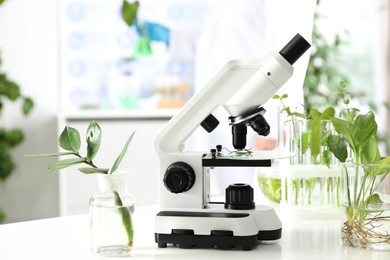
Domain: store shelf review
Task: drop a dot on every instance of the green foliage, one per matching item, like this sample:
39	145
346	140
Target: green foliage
94	138
317	117
70	141
323	73
312	138
359	135
129	12
10	138
122	154
337	146
142	46
65	163
2	216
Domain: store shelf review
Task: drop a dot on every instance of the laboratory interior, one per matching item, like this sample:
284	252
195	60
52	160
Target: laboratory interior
227	117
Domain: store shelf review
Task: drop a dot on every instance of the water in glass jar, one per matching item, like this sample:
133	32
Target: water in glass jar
108	234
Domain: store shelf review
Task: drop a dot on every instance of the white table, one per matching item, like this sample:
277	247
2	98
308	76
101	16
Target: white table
68	238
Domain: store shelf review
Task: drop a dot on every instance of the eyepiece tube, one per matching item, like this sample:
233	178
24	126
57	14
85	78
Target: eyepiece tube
295	48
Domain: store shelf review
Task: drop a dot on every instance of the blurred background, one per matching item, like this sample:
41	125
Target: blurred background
67	62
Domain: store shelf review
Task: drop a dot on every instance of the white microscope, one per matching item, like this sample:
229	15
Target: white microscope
187	218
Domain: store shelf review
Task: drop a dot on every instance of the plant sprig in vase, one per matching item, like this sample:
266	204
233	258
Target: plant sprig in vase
356	145
70	141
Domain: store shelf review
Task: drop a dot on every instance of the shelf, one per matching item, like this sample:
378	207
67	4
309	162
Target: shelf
118	114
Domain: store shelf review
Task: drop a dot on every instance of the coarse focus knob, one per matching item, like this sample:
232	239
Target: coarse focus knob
179	177
239	196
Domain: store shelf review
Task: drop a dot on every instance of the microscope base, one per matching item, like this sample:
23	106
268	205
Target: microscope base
203	241
221	229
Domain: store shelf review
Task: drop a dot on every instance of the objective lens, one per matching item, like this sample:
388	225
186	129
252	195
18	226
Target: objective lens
239	136
260	125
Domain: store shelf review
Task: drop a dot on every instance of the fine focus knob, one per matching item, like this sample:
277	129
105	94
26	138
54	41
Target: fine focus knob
179	177
239	196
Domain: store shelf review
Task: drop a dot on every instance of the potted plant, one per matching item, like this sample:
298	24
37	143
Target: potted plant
365	200
112	207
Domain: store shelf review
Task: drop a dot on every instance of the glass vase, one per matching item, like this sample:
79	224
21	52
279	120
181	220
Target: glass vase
111	216
365	206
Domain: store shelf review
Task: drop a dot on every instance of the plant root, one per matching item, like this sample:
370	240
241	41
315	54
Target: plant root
365	234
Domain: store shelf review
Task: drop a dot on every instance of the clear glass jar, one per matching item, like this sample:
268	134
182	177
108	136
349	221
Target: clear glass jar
365	205
111	216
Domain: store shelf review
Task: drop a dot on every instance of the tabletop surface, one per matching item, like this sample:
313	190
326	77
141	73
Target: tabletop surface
68	238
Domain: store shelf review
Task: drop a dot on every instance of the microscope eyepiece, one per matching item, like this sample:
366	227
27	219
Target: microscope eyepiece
295	48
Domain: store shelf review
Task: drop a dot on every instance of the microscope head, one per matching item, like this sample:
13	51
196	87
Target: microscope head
253	116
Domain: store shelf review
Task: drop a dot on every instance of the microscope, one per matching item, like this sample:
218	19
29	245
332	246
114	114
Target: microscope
187	217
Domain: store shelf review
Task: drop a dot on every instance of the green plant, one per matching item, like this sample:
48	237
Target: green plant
142	47
358	133
312	138
70	141
10	91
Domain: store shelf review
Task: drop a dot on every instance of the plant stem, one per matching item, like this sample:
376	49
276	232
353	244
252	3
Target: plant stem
90	163
125	214
357	171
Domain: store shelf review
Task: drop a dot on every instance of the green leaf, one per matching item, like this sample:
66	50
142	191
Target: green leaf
367	128
314	113
305	141
317	117
385	160
129	12
12	90
122	154
382	168
348	130
373	199
328	113
70	139
370	153
13	137
94	137
93	170
28	104
338	147
275	96
66	163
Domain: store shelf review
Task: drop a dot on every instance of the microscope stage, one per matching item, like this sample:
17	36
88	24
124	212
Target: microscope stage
257	159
